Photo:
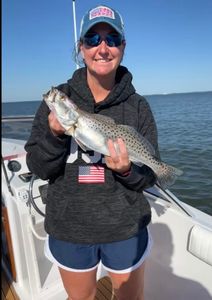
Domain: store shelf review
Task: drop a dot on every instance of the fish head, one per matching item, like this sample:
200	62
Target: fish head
55	97
62	106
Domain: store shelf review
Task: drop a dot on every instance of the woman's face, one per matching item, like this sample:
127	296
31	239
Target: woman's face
102	60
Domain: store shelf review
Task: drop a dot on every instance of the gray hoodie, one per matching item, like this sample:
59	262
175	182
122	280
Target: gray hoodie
113	209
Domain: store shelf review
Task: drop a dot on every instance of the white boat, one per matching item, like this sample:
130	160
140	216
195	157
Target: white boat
180	264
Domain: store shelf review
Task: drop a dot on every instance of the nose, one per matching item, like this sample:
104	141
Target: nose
103	48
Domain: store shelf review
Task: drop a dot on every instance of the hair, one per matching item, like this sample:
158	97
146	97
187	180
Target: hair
76	54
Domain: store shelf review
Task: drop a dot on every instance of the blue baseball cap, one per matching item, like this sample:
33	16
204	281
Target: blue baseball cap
101	14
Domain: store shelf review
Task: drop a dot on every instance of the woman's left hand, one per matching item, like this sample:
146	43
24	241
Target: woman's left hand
118	160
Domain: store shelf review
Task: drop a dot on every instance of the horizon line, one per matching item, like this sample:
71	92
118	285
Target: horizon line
144	95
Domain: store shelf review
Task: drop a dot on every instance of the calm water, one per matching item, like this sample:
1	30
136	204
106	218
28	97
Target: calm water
184	124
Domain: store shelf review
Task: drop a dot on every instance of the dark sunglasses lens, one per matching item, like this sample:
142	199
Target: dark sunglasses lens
113	40
92	40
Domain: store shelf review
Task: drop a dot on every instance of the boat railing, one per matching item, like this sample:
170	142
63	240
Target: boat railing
17	118
167	195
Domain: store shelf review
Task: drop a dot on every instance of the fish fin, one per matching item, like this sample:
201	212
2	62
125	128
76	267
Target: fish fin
167	174
103	118
137	135
81	145
70	131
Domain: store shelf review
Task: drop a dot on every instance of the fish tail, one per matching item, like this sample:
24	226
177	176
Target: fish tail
167	174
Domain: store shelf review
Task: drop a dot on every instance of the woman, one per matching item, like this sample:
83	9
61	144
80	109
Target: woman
104	218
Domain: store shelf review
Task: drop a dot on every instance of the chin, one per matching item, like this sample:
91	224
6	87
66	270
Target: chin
102	71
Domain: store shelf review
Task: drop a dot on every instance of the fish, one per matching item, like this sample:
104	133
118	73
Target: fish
92	131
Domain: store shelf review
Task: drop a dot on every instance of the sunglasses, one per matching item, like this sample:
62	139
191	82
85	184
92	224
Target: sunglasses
94	40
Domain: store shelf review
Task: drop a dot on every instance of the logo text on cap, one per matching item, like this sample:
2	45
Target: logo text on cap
101	11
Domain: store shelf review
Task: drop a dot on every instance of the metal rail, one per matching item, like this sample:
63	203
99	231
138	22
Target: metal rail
6	177
167	196
5	119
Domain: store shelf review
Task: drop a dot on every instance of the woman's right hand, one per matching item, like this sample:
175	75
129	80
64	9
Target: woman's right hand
54	125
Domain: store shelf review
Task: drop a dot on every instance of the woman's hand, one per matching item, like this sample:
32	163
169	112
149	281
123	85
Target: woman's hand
54	125
118	160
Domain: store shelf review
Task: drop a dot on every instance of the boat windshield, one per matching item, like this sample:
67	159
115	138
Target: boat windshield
18	127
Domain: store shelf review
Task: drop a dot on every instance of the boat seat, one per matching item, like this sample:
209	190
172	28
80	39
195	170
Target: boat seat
200	243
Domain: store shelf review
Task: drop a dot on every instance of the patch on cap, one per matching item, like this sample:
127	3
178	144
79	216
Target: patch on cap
101	11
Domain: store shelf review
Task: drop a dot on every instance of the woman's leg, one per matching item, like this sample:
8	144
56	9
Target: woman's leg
79	285
129	285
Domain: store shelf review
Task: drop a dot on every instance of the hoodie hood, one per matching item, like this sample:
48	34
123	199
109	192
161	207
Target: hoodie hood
120	92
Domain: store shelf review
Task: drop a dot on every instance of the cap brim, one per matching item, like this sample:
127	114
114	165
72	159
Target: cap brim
103	20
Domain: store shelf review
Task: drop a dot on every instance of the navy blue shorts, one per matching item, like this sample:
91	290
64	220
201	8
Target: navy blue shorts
117	257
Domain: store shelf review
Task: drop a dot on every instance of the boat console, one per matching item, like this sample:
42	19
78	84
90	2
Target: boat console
23	201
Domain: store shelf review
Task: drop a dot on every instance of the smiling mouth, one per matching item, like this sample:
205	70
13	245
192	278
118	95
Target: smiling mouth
102	60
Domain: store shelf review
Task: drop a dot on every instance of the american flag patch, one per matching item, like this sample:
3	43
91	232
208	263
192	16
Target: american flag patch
91	174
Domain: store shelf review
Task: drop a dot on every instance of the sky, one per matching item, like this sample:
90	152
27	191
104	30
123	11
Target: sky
169	45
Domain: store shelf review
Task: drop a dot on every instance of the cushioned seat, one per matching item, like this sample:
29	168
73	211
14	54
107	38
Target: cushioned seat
200	243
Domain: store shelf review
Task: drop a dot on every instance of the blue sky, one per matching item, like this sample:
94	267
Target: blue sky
169	45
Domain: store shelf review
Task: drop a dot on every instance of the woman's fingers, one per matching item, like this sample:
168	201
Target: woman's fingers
119	159
54	125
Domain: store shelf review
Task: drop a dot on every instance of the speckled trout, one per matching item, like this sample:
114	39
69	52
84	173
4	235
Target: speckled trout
92	131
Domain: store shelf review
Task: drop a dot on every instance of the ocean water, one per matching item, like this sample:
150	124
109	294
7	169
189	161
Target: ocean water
184	123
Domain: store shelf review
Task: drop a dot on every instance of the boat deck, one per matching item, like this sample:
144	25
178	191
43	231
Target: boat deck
104	289
7	290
